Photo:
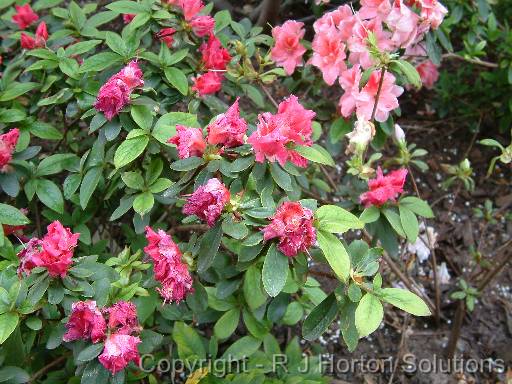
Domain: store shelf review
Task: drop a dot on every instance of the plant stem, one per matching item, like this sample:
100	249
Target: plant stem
265	90
430	246
381	81
455	332
47	367
468	60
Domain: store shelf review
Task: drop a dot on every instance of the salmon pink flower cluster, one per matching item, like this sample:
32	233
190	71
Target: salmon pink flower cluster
214	59
227	130
24	16
428	73
292	224
8	143
208	201
54	251
28	42
341	48
288	51
384	188
169	269
276	134
119	334
115	93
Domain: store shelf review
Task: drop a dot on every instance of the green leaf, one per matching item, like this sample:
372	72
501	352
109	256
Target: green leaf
320	318
100	61
129	150
405	300
95	373
12	216
209	247
165	127
143	203
254	294
227	323
177	79
81	47
160	185
56	163
409	223
281	177
368	315
316	154
115	43
418	206
242	348
348	325
190	345
50	195
370	215
133	180
90	352
8	323
16	89
142	115
335	219
275	271
394	219
335	254
89	184
125	6
45	131
13	375
409	71
187	164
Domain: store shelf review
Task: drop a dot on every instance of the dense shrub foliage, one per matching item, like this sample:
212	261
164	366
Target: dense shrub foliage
158	201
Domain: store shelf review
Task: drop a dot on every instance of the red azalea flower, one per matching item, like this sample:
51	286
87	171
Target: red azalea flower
85	322
214	55
384	188
8	143
123	318
208	83
24	16
228	129
208	201
292	224
166	35
119	351
128	17
190	141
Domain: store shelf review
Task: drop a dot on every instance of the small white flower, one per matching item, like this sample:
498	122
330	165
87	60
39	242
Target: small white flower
361	136
399	133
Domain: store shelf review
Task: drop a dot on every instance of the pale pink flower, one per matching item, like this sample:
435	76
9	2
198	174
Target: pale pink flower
189	141
374	8
358	42
169	269
329	54
8	143
208	201
287	51
228	129
299	120
341	18
349	81
292	224
202	25
119	351
428	73
433	12
190	8
85	322
387	98
208	83
403	23
384	188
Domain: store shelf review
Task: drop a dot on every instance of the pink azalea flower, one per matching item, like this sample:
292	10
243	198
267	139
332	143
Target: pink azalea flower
202	25
341	18
292	224
428	73
371	9
58	245
228	129
433	12
384	188
169	269
8	143
85	322
292	125
119	351
329	54
24	16
190	141
123	318
128	17
167	36
358	42
349	81
213	54
288	51
403	22
28	42
208	201
190	8
208	83
114	95
30	256
387	99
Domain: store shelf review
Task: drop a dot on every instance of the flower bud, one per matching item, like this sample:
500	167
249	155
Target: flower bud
361	136
399	133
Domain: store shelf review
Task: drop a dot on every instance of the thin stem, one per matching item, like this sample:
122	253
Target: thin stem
455	332
430	246
496	270
468	60
381	81
265	90
47	367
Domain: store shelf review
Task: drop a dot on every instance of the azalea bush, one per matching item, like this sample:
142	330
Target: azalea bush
163	198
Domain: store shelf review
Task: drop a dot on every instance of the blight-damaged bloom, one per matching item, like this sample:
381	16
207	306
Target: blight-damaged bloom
228	129
85	322
384	188
208	201
361	136
189	141
8	143
119	351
